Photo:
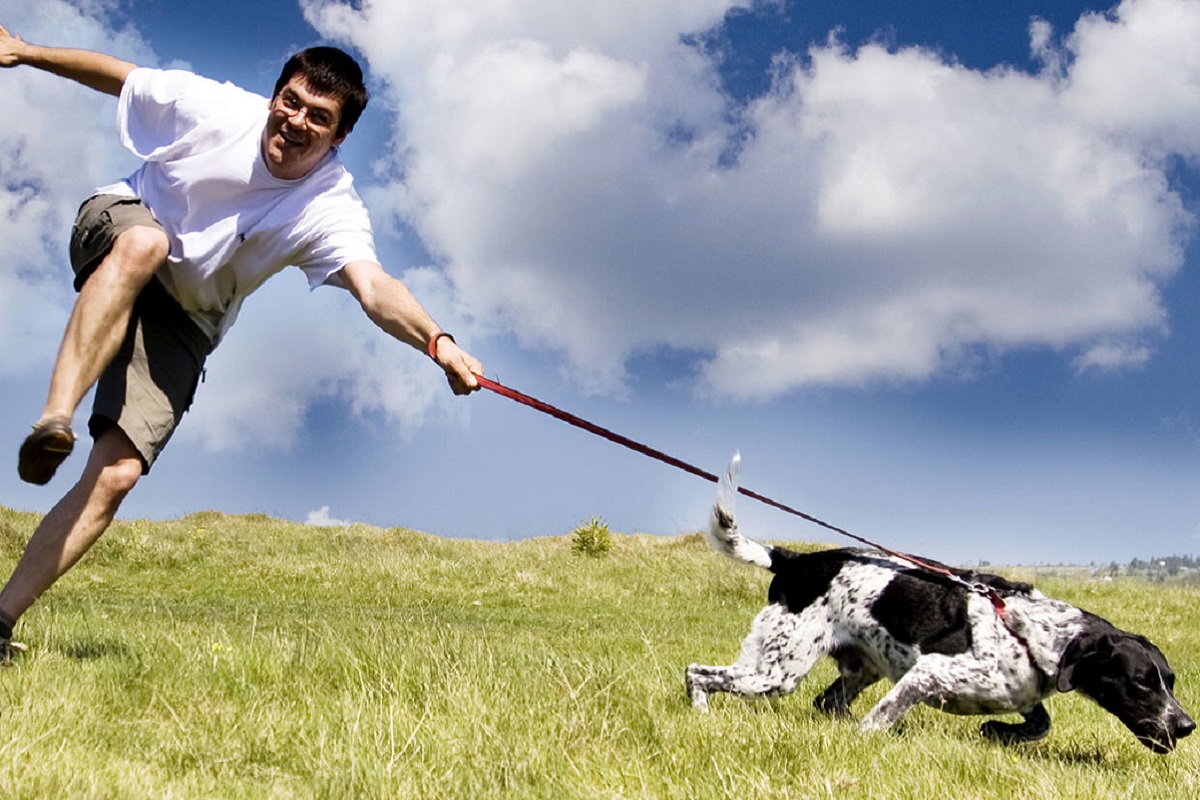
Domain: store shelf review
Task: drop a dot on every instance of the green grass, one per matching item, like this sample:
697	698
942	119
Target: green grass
244	657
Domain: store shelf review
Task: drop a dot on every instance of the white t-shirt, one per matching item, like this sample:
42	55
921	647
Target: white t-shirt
231	223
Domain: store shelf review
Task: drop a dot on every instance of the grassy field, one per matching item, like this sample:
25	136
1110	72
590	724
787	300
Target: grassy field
244	657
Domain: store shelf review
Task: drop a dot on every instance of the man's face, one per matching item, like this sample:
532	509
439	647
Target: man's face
301	130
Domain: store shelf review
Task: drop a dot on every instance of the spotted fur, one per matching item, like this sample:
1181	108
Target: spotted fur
937	642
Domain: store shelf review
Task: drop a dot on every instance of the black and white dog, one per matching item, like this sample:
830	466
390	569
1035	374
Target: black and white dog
938	642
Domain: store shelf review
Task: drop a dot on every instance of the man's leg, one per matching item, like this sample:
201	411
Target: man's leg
101	314
94	333
140	398
75	523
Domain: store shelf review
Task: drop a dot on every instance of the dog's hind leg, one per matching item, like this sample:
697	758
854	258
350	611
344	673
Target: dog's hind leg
1035	726
781	649
855	675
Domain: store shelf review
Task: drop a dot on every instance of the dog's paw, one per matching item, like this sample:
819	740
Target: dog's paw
832	705
1034	726
1010	733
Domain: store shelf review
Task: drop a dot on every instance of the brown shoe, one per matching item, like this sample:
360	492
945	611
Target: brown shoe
43	450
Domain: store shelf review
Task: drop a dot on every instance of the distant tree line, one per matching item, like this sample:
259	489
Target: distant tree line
1161	568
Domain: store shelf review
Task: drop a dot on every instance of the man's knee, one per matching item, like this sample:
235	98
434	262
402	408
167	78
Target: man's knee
118	479
139	250
116	464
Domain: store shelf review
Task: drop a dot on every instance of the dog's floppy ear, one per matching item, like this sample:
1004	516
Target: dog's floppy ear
1081	659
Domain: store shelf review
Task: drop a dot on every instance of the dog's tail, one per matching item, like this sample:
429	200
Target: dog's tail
723	533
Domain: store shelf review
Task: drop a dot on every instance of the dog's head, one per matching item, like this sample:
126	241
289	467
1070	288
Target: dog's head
1130	678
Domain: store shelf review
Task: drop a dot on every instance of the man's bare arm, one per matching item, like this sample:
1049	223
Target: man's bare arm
98	71
391	306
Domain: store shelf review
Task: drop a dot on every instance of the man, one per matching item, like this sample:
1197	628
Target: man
233	188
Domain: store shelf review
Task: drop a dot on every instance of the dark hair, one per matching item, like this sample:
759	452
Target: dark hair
331	72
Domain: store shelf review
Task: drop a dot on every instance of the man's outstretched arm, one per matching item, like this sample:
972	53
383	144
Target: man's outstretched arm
392	307
98	71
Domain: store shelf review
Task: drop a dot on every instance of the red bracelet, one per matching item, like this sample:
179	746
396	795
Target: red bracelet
433	343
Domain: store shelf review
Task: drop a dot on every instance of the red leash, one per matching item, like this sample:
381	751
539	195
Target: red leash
571	419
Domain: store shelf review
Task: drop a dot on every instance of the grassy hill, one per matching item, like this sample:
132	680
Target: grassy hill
224	656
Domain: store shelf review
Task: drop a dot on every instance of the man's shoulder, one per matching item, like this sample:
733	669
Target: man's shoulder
163	86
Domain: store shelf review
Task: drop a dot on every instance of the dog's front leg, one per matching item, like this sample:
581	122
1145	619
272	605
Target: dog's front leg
1034	726
921	683
856	675
836	699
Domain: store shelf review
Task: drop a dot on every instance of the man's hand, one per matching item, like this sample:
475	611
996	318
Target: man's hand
10	48
461	368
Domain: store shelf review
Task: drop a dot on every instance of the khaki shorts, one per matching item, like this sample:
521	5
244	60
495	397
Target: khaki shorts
150	383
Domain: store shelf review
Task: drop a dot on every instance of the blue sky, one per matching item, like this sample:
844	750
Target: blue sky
932	272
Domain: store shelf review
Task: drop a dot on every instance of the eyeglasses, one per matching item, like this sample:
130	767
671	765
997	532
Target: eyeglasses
319	120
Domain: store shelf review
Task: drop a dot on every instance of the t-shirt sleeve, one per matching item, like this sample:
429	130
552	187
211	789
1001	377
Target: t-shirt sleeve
339	233
160	111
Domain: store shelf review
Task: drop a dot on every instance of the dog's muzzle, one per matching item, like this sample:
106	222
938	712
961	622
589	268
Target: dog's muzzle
1164	736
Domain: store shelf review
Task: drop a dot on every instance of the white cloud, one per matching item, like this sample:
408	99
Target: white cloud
1108	357
889	213
320	517
1136	74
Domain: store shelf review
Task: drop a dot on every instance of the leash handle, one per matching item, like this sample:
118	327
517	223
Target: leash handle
605	433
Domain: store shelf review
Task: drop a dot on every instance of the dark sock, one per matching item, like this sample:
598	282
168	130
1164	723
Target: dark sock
6	625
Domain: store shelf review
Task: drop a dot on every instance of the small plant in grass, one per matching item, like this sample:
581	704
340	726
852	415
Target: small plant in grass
592	538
